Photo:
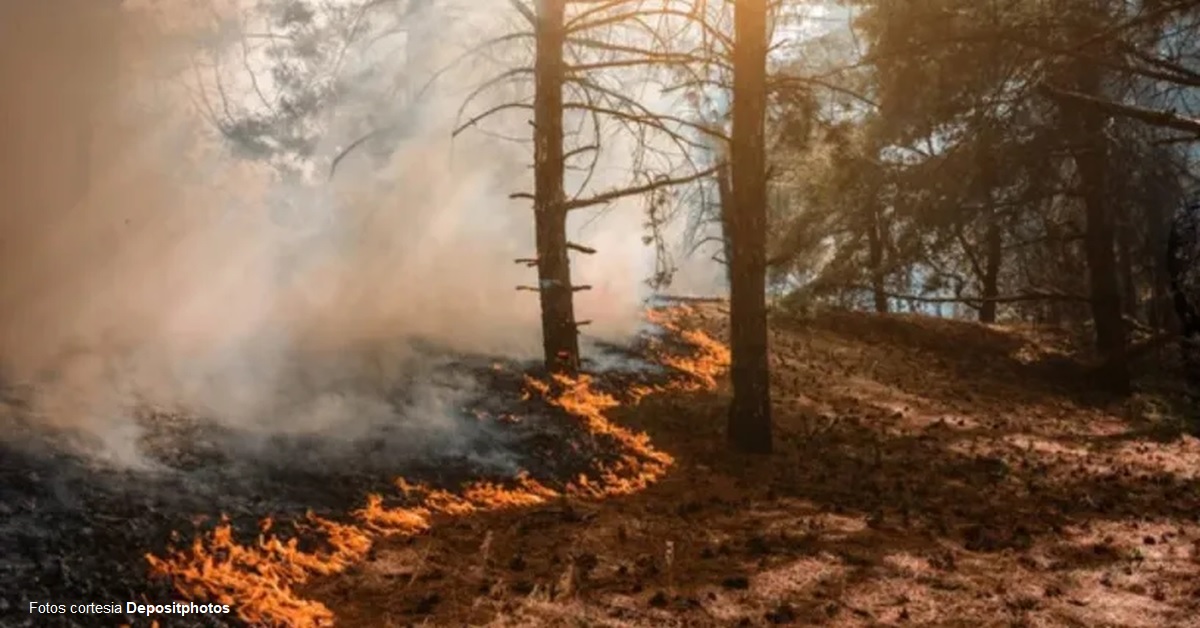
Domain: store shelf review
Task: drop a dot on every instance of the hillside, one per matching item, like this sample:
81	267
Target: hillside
928	473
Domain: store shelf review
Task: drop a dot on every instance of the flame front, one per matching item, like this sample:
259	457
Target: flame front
260	579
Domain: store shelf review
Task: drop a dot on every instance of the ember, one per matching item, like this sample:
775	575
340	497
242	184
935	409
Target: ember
260	580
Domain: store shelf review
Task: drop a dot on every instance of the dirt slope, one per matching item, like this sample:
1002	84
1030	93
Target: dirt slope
929	473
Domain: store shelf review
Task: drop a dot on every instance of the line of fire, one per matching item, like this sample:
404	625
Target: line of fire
621	313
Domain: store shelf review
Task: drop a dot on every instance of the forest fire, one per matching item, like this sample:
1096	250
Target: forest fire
260	579
708	363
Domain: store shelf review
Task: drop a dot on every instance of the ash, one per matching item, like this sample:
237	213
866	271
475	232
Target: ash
75	529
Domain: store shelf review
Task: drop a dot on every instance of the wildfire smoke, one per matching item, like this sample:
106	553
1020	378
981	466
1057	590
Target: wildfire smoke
260	579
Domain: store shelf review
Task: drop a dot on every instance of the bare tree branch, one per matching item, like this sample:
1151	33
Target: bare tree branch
1153	117
525	11
488	113
613	195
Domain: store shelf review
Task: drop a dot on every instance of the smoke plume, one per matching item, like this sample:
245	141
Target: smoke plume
144	265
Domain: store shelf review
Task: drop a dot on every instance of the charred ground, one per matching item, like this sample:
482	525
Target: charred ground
76	529
930	473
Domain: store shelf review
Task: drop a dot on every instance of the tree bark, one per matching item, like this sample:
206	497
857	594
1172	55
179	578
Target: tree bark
1087	129
560	336
1160	310
725	200
994	243
1181	260
750	410
1129	288
993	239
875	251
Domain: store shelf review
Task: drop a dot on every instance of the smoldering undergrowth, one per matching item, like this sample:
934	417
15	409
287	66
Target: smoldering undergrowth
185	280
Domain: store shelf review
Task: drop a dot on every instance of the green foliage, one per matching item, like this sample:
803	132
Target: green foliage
960	138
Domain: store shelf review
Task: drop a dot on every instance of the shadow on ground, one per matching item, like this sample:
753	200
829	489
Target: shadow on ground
928	473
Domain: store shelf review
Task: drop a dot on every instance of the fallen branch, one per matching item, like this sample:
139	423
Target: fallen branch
537	289
686	299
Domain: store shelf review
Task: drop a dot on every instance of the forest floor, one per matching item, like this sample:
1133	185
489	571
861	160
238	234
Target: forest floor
927	472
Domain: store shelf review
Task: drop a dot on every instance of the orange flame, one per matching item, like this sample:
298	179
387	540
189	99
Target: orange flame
260	579
701	369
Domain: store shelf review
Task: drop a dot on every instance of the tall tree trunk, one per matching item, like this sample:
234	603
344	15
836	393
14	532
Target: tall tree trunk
560	336
1129	287
993	239
1161	306
994	254
1087	125
1181	262
750	410
875	251
725	200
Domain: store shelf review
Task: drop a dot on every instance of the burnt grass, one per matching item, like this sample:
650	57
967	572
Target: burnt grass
927	472
74	529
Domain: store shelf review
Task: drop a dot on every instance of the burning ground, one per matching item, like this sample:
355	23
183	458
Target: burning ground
930	473
257	516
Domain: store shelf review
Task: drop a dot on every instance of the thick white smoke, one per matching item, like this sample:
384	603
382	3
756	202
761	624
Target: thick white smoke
182	277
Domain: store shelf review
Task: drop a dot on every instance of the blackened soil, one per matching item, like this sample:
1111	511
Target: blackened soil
74	529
